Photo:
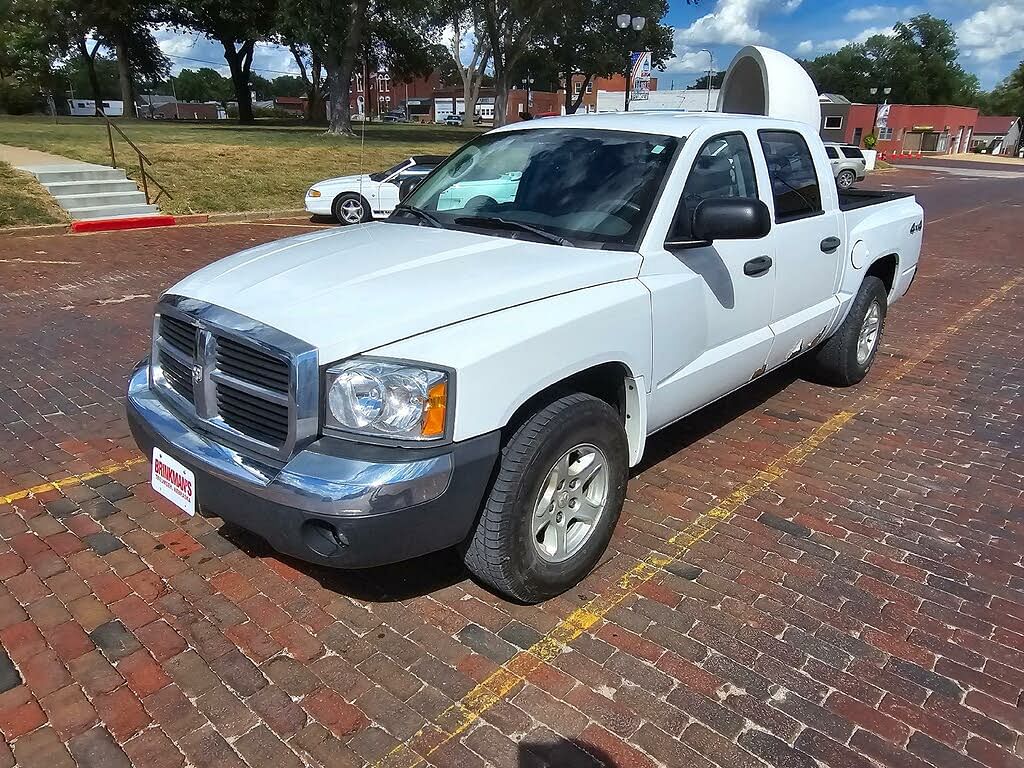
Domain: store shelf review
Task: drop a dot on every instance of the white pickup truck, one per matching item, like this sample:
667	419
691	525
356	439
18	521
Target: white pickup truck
485	376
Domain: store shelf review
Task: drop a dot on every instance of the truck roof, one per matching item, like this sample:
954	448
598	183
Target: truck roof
664	123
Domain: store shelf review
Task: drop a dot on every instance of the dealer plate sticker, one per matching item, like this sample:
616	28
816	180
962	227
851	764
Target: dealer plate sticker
174	481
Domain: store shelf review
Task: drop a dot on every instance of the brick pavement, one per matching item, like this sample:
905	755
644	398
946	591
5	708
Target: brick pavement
801	574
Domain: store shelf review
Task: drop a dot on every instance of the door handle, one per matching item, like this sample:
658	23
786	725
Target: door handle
830	244
757	267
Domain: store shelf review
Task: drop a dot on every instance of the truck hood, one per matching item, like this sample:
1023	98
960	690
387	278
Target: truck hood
350	290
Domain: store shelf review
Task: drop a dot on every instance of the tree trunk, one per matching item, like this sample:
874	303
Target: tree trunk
239	61
90	68
342	63
579	98
501	89
124	74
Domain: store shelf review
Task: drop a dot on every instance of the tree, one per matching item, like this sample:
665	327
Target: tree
509	26
464	20
203	84
582	39
287	85
701	84
237	27
919	63
311	71
1007	98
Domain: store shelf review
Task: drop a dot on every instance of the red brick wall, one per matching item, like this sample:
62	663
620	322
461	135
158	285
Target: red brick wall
903	118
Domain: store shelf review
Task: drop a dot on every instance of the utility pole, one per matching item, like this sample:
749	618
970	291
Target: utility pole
711	68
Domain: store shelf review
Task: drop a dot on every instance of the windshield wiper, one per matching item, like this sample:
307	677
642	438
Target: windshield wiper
419	213
500	223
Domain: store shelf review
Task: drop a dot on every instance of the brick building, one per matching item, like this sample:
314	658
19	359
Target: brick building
616	83
934	129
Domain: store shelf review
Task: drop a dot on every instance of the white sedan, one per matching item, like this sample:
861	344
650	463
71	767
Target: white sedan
362	197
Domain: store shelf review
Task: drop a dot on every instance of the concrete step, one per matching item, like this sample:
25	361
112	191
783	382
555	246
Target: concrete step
112	211
96	199
83	173
60	188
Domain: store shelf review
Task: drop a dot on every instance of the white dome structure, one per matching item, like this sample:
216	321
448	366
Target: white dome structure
763	81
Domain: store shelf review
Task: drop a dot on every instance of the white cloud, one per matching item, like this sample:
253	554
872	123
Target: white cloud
733	22
808	47
689	60
890	13
992	33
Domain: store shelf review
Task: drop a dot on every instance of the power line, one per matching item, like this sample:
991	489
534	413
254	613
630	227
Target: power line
224	64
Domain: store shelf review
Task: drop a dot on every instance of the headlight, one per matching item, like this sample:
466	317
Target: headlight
380	398
313	193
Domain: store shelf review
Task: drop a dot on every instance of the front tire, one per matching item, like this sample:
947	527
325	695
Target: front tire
846	179
558	493
350	208
846	357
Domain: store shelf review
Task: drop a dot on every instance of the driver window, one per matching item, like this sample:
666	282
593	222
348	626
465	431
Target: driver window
723	168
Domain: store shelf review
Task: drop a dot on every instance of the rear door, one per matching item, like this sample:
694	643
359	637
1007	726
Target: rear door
806	239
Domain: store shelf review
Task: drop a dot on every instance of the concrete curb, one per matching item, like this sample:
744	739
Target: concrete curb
35	230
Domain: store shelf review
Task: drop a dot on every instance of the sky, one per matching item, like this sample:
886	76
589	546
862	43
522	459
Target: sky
990	34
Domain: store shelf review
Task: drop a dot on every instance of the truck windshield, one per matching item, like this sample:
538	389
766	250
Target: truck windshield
591	188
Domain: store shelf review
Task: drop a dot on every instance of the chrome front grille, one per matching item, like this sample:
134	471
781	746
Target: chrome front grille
235	377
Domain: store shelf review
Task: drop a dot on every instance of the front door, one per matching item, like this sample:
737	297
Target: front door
711	304
807	246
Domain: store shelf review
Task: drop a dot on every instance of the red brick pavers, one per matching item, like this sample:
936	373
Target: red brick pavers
864	608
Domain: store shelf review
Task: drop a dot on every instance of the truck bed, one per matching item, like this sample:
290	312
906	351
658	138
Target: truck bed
852	199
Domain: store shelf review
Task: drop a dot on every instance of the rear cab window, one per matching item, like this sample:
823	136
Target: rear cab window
795	187
853	153
831	152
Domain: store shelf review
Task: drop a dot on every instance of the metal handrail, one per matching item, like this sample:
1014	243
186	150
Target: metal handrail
143	160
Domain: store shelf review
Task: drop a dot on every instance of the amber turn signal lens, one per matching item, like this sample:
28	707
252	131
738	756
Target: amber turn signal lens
437	404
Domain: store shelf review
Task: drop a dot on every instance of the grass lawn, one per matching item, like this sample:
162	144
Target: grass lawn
221	166
23	201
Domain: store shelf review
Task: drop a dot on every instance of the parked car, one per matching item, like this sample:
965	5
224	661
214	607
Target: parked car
362	197
848	164
396	116
484	376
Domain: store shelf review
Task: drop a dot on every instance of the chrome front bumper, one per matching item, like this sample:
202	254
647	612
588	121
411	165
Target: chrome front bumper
333	502
311	481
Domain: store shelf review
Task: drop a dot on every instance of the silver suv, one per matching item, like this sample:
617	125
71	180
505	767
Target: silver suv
848	164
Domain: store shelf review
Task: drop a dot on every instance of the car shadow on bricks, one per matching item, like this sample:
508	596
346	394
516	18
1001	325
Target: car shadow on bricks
702	423
544	749
384	584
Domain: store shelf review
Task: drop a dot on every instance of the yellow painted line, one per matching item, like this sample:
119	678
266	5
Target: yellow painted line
56	485
460	716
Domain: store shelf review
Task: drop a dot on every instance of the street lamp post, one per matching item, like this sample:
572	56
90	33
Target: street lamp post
625	22
874	94
528	82
711	68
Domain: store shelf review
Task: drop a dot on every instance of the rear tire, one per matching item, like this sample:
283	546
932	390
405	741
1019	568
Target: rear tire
566	464
846	179
350	208
846	357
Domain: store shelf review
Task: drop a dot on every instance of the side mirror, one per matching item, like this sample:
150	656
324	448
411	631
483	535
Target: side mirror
727	218
406	186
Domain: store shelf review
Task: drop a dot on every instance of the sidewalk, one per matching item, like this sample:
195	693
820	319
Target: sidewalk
25	159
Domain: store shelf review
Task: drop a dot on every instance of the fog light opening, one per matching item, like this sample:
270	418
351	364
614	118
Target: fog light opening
323	538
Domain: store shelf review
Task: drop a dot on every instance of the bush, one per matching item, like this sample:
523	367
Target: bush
870	140
18	98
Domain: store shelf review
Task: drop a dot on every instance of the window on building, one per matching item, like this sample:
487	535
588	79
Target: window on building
576	87
590	87
885	134
858	133
833	122
795	185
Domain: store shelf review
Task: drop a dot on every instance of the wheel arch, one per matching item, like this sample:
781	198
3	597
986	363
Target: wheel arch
885	268
353	193
613	382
